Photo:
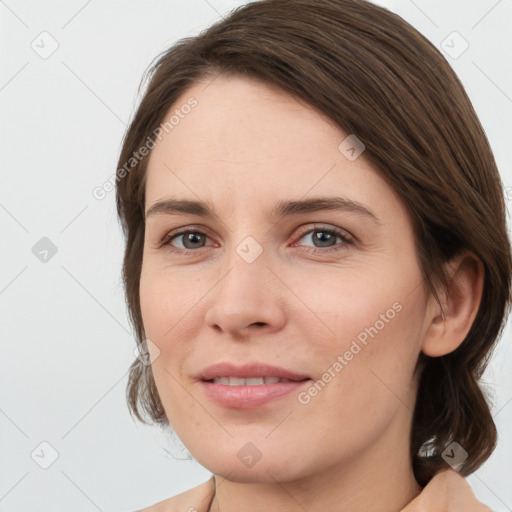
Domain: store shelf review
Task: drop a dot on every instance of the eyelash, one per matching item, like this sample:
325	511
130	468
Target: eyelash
345	237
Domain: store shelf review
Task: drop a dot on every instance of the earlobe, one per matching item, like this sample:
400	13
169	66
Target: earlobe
450	325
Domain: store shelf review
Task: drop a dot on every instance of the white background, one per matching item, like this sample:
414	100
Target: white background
66	343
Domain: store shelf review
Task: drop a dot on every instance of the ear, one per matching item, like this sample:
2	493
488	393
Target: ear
449	326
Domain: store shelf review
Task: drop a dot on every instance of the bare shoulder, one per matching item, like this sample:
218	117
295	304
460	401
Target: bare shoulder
196	499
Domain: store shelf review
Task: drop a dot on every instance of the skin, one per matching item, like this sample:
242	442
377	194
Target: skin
245	146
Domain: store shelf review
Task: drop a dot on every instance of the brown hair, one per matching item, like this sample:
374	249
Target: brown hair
376	77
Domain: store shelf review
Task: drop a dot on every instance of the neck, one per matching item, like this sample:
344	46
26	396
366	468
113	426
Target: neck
294	497
291	497
380	479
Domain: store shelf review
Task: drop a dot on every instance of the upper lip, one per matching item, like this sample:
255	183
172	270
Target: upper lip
226	369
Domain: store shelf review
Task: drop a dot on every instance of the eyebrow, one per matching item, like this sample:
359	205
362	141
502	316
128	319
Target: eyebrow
283	208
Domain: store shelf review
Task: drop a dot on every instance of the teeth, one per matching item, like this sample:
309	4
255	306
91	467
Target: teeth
251	381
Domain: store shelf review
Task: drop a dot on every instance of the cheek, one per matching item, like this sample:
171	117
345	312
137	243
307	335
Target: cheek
167	300
166	324
165	316
368	334
344	305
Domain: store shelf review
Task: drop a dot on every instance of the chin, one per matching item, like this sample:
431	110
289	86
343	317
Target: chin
257	474
237	466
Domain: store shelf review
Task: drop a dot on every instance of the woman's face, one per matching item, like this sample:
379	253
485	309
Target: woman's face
275	277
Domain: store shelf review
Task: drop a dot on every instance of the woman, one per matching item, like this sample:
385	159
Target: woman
317	263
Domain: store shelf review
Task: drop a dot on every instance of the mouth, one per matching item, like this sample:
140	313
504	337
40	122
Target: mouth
249	374
251	381
251	393
251	385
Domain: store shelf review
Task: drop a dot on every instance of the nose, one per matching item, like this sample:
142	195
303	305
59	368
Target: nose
247	299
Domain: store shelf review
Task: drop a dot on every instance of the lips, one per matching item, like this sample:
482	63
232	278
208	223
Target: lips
249	371
249	386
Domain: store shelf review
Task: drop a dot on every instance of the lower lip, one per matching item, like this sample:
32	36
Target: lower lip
250	397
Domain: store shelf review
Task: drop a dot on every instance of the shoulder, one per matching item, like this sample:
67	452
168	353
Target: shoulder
196	499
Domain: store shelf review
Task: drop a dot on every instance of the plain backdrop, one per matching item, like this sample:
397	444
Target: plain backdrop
68	87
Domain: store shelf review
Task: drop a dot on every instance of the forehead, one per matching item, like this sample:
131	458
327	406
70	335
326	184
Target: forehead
248	143
234	116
